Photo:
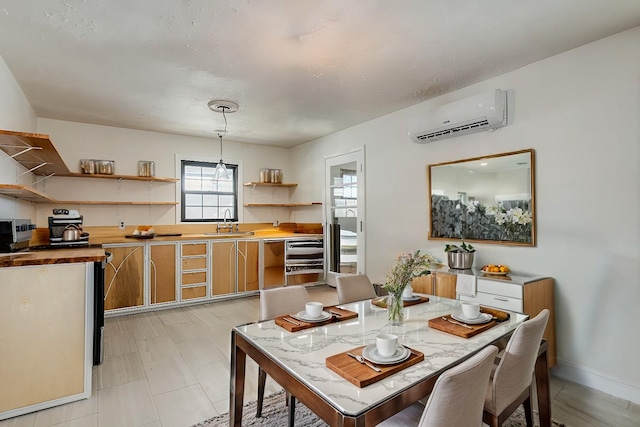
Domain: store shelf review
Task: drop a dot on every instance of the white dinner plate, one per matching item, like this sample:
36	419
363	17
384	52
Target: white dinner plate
302	315
482	318
370	353
413	298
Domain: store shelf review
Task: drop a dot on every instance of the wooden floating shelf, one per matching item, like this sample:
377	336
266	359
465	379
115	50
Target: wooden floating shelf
269	184
25	193
32	195
96	202
281	205
127	177
44	152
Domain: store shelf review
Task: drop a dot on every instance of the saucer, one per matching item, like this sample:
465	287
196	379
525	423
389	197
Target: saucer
482	318
412	298
302	315
370	353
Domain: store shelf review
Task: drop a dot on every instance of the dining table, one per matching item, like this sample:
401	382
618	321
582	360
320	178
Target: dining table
301	360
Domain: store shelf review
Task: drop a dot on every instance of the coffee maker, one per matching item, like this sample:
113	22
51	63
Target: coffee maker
65	229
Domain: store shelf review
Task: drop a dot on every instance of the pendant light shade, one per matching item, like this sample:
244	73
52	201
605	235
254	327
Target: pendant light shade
221	172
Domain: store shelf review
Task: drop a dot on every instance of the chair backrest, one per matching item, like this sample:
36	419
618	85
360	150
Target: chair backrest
515	370
280	301
354	287
457	398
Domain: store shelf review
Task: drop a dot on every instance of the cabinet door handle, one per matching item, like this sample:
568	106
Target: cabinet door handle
501	299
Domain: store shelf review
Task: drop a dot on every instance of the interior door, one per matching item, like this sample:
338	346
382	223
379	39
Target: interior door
344	214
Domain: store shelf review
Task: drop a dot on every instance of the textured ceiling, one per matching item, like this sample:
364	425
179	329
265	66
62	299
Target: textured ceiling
299	69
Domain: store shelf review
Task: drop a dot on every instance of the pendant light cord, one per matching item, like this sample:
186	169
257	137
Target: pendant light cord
225	129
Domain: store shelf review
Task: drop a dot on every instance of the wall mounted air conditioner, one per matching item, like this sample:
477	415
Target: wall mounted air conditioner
485	111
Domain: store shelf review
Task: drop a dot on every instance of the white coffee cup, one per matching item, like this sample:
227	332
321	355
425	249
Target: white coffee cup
470	310
386	344
407	292
313	309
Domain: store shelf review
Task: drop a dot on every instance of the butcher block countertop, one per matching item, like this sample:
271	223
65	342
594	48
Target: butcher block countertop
99	236
52	256
112	235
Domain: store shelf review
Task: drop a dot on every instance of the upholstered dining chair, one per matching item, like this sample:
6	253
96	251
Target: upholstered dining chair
511	382
354	287
273	303
457	397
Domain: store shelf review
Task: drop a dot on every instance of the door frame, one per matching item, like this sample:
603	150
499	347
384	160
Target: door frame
354	155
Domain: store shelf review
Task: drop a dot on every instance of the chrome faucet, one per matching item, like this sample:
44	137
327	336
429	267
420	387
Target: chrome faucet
224	223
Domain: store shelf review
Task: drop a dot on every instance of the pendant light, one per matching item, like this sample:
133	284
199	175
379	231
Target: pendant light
224	107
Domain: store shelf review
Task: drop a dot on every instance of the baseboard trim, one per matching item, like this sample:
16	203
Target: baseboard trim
596	380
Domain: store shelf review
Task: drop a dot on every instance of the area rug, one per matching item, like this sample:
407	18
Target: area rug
275	414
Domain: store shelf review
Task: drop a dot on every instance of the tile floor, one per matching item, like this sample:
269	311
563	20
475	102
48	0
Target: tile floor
171	369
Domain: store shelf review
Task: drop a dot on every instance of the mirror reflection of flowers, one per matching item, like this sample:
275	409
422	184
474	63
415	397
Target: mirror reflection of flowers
515	221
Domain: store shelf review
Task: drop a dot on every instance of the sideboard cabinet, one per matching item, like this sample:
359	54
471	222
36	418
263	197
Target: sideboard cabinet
527	294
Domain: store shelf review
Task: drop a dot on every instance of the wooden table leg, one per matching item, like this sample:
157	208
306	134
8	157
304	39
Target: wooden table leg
236	388
543	386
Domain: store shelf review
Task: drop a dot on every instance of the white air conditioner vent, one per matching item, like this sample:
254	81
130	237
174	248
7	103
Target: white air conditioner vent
486	111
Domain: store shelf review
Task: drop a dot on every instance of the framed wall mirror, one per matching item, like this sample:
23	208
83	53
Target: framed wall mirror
486	199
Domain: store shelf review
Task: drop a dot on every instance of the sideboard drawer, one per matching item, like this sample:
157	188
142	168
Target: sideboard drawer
496	301
513	290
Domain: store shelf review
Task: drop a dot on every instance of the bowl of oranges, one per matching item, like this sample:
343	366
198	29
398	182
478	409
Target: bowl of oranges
495	269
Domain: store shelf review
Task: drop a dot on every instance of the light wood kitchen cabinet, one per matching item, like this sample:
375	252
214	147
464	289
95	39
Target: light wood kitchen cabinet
124	277
235	267
46	313
273	264
223	274
194	274
248	273
162	273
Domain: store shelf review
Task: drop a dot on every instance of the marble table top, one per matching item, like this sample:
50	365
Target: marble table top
303	353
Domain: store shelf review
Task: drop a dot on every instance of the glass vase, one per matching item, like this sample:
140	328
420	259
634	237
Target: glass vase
395	308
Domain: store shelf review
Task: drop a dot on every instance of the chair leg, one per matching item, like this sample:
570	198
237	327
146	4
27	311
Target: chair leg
262	379
490	419
528	413
292	410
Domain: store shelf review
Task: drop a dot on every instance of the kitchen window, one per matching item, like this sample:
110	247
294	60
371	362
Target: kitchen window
206	199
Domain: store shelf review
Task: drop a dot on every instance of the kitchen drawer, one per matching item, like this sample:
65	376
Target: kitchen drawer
496	301
191	249
194	292
194	263
507	289
193	278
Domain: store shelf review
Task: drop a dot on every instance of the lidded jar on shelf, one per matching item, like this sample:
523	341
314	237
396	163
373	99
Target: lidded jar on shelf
276	176
146	168
265	175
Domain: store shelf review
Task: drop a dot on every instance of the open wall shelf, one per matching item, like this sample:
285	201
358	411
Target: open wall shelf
29	194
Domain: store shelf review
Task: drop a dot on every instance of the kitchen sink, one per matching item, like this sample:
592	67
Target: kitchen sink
235	233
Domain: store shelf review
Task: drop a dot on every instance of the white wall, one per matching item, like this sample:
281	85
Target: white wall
16	114
580	111
75	141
